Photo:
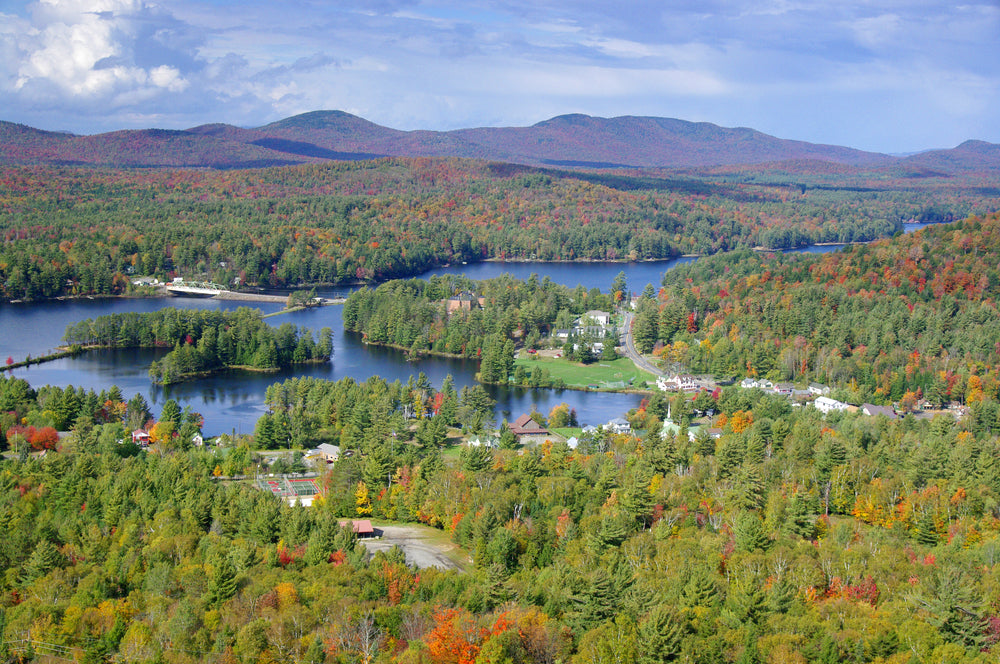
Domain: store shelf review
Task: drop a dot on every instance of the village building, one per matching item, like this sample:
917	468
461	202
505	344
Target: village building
872	410
678	383
827	405
328	453
602	318
761	383
528	430
361	527
618	425
464	301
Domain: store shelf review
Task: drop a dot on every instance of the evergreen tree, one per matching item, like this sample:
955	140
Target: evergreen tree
749	533
661	633
43	559
222	583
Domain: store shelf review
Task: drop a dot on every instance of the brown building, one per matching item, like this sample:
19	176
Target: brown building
525	426
465	301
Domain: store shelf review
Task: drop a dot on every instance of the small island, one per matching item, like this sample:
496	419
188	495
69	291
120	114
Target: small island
204	341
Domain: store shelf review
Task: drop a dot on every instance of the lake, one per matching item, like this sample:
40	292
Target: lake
232	401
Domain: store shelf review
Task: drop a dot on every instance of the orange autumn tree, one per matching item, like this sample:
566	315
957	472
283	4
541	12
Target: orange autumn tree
455	639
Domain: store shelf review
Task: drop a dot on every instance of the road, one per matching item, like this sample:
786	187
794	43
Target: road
628	342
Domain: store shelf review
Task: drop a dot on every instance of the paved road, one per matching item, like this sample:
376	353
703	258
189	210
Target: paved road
628	341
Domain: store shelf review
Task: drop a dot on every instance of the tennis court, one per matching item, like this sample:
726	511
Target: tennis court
289	487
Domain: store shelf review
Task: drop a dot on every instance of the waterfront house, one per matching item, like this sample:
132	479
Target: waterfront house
464	301
527	429
618	425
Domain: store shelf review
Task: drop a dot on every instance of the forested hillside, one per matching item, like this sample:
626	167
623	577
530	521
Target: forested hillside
907	318
791	538
83	231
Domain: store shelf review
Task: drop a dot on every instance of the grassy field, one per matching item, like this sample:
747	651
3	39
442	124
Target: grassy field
603	374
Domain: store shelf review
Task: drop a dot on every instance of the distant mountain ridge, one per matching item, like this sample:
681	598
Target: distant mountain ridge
573	140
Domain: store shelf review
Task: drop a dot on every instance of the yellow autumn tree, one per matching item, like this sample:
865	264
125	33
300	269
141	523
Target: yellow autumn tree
362	500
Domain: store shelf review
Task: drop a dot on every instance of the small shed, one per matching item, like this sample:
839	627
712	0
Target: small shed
361	527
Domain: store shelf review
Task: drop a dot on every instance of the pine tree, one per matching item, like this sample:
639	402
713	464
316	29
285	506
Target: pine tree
43	559
700	590
222	584
660	635
748	532
925	531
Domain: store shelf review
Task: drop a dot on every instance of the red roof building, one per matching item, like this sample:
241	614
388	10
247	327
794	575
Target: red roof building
361	527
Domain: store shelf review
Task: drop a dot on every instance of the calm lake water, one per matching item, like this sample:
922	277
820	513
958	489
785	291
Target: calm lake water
232	401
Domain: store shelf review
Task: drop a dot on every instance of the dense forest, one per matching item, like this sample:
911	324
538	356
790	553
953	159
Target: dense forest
902	319
791	538
204	340
70	231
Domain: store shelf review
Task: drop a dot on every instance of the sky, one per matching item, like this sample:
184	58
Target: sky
882	75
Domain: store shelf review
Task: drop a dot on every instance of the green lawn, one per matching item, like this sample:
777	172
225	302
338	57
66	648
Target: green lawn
604	374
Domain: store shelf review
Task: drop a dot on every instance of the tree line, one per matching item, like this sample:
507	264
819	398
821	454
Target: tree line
70	231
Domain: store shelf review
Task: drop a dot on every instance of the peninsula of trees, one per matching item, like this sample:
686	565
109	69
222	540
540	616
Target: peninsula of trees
204	341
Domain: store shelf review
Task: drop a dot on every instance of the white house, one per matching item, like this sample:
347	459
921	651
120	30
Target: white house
480	442
819	389
573	442
678	383
599	317
750	383
618	425
826	405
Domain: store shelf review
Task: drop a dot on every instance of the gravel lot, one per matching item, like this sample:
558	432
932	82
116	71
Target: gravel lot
420	550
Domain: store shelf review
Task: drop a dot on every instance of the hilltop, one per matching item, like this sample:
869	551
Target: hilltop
574	140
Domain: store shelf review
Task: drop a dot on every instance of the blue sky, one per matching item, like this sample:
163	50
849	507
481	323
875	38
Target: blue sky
884	75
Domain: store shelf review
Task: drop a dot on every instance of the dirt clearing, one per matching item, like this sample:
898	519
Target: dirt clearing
423	546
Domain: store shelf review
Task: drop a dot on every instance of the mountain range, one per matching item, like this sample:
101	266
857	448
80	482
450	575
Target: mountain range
564	141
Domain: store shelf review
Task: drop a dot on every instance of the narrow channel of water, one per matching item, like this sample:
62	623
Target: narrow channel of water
233	401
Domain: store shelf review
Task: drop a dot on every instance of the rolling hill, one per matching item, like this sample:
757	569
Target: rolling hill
564	141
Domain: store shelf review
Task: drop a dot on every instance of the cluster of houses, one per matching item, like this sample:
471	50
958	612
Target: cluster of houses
141	438
815	393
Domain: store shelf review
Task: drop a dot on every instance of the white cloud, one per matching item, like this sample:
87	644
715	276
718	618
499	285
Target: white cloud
87	50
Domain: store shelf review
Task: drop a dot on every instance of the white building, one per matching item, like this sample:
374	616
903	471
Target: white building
618	425
678	383
750	383
599	317
826	405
